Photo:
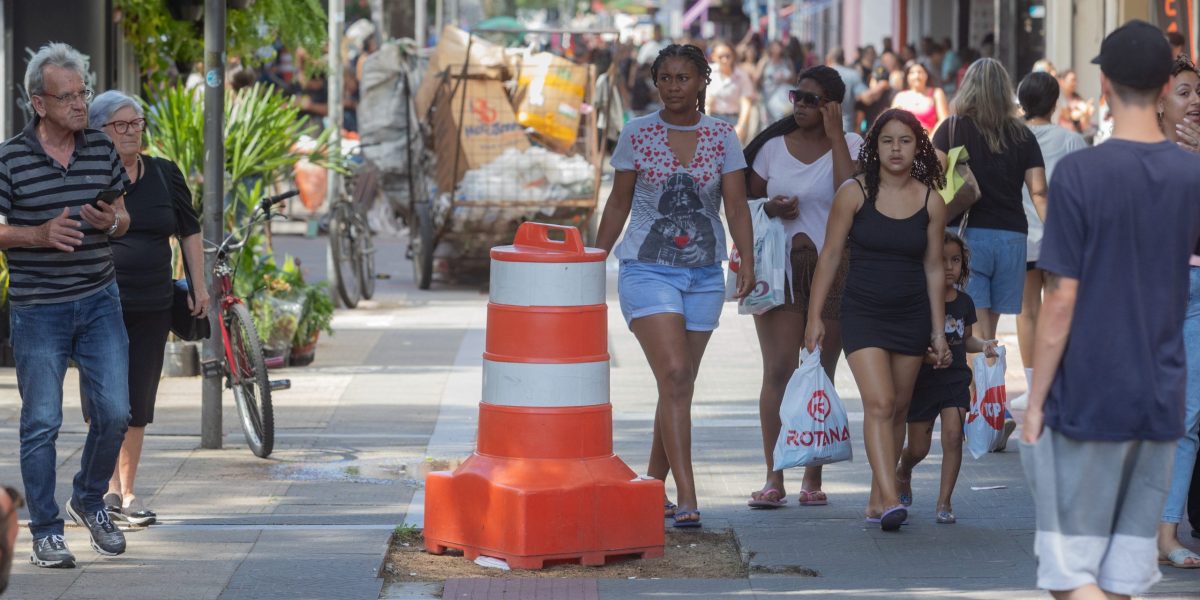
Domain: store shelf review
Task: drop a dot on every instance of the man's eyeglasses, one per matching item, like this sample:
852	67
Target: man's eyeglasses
806	98
72	97
123	127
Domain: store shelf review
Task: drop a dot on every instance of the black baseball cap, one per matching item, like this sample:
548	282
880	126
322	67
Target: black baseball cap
1136	55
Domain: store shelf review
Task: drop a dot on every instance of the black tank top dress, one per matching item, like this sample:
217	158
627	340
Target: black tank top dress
886	302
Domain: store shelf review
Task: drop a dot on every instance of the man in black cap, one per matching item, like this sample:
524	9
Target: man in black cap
1107	401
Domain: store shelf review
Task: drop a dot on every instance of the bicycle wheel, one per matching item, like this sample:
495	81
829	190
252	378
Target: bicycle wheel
421	241
247	373
342	248
366	259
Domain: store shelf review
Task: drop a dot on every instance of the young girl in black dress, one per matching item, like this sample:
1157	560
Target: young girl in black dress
945	393
892	308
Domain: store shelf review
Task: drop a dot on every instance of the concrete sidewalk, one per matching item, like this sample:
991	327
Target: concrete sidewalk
398	383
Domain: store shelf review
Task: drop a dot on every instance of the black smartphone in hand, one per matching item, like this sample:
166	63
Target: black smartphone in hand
107	197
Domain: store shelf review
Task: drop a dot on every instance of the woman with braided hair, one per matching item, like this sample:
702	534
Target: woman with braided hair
799	162
892	307
673	169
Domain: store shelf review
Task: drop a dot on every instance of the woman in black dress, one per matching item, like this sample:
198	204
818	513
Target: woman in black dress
892	308
159	206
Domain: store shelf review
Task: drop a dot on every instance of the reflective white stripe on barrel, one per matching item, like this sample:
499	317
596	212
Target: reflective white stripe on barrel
547	284
555	386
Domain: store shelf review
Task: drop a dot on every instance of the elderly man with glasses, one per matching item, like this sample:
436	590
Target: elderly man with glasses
61	188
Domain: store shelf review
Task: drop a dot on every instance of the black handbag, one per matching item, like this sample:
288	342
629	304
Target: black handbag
184	325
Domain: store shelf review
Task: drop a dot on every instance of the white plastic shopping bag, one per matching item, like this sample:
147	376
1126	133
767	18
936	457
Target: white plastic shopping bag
770	264
815	430
985	422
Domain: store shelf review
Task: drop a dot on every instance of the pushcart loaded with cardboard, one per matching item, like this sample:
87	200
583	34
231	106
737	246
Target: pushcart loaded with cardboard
514	138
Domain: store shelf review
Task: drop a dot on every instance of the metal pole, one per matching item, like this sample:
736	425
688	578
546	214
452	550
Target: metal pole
214	200
439	18
337	16
421	24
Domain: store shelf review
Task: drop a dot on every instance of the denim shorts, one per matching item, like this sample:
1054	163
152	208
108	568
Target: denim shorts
697	293
997	269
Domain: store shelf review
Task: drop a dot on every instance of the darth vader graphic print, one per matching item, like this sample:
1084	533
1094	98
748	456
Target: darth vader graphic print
675	217
682	234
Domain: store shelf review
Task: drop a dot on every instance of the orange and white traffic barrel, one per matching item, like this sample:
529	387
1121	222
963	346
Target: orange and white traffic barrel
543	483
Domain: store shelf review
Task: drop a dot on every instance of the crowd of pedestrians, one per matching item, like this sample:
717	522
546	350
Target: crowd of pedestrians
882	270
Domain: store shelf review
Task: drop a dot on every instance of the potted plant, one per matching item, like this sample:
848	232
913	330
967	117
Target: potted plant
317	316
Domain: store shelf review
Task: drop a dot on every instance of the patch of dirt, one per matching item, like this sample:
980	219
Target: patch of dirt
784	570
708	554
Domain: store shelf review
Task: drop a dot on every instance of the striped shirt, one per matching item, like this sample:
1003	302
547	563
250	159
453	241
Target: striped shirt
34	188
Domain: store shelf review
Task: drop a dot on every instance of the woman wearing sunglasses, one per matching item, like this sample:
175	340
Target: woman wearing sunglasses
892	307
799	162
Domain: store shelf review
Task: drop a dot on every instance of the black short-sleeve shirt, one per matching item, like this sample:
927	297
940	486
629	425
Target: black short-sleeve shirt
960	314
160	206
1000	175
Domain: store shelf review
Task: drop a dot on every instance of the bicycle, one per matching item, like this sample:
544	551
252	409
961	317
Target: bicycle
351	246
243	365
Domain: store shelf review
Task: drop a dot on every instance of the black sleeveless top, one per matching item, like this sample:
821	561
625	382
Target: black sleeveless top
886	302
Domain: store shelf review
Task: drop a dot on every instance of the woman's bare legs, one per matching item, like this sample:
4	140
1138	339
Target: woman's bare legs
674	355
1031	305
125	474
879	375
780	336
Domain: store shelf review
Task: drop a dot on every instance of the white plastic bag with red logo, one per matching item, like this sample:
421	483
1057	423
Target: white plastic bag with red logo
985	422
770	264
814	428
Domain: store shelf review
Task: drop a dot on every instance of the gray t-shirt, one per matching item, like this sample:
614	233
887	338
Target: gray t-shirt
675	219
1055	142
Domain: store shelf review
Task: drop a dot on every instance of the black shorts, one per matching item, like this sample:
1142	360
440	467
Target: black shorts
928	403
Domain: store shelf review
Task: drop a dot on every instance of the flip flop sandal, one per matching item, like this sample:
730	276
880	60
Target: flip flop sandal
669	509
813	498
893	518
682	519
763	499
876	520
906	499
946	517
1178	558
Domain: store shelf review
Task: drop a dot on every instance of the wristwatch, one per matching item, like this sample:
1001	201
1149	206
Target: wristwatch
116	223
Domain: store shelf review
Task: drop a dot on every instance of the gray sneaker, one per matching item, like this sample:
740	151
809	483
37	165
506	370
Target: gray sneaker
106	538
51	552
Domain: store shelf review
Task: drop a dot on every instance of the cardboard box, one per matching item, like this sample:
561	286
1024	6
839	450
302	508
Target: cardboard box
551	90
489	127
487	60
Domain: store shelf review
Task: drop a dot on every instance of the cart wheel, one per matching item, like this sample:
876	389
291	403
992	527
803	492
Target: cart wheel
421	238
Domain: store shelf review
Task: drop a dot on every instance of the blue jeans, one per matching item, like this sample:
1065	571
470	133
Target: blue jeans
697	293
44	336
1185	453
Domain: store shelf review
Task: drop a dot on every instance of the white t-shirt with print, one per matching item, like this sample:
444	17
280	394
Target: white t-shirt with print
675	219
811	182
1055	142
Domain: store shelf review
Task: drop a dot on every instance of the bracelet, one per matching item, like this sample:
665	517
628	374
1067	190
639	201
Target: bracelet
116	223
937	335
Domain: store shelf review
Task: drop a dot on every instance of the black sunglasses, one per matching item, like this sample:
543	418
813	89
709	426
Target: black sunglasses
806	98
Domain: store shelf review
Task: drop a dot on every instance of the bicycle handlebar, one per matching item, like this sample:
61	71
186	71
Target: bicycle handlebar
261	213
270	201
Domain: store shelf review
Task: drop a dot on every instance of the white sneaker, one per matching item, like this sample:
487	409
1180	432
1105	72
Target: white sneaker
1022	402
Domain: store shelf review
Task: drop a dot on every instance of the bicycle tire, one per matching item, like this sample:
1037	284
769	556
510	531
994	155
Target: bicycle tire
247	375
342	249
421	239
366	260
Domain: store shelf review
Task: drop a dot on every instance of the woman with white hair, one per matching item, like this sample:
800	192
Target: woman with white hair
160	205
